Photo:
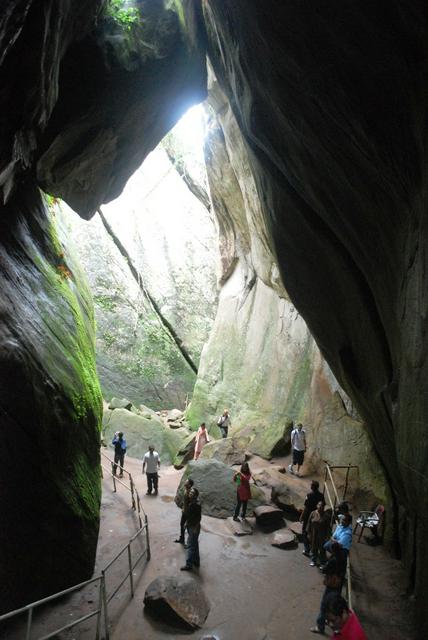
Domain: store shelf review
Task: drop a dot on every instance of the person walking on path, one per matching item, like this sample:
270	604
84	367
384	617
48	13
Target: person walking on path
298	445
193	524
201	440
319	530
311	501
151	462
334	576
119	444
342	619
243	492
224	423
187	488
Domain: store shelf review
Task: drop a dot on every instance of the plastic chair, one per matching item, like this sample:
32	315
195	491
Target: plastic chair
371	520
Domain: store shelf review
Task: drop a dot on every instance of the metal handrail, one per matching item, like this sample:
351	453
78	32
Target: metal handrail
135	497
103	598
329	476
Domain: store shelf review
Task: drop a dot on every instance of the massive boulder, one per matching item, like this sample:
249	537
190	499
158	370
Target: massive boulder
217	491
179	601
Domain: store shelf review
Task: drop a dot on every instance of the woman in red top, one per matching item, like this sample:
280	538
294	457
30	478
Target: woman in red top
243	493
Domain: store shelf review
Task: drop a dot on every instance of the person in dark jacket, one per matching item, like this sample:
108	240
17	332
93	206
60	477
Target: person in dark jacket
193	524
312	499
187	488
119	444
334	576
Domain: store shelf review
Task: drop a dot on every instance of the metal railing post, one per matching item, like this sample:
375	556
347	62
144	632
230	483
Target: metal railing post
132	491
149	553
105	605
29	623
131	577
114	477
100	608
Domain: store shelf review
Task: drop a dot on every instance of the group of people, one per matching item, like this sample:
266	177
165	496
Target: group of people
326	550
318	541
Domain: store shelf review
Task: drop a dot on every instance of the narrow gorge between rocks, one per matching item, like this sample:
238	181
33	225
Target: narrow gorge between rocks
305	300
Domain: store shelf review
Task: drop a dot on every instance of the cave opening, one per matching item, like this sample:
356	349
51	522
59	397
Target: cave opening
151	259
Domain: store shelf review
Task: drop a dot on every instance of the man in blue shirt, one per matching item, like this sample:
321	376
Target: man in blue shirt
119	444
342	534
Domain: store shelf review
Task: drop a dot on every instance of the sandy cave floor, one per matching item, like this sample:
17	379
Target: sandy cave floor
256	591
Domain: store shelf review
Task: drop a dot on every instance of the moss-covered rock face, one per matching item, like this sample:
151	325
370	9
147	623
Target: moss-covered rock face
51	409
142	430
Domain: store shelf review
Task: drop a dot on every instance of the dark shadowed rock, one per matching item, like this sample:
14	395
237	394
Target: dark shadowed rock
284	540
185	452
178	601
217	492
287	498
268	516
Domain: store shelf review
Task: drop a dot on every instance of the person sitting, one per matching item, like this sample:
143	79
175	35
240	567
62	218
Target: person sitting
342	534
342	619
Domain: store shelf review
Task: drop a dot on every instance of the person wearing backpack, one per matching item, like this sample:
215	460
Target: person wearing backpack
224	423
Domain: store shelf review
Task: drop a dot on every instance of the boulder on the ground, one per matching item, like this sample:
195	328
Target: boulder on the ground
174	415
240	527
174	425
146	412
271	441
287	498
296	528
268	516
186	451
140	432
284	540
228	450
178	601
214	480
120	403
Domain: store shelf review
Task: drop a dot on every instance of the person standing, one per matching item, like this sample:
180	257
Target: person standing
243	492
224	423
298	445
201	440
334	576
151	462
311	501
193	524
119	444
319	532
187	488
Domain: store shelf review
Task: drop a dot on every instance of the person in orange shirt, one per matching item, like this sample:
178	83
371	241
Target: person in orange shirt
343	620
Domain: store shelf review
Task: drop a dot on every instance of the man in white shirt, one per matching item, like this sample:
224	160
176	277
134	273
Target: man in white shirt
151	462
298	445
224	423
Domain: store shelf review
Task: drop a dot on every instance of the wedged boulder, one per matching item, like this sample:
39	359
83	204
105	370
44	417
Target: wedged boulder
214	480
140	432
120	403
274	440
185	452
178	601
228	450
174	415
287	498
284	540
269	517
146	412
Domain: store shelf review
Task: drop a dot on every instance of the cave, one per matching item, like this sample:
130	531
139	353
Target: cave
329	101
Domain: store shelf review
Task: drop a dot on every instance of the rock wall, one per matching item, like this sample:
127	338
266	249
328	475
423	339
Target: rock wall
332	104
261	361
50	409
